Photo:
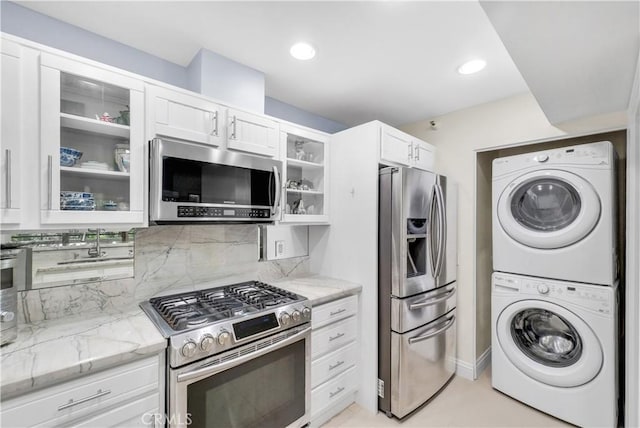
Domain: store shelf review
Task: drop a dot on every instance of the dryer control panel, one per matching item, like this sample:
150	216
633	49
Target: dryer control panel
597	298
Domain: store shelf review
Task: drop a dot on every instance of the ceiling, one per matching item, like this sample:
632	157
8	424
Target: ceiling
389	60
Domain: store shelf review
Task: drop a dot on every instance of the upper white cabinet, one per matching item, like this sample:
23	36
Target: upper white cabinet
252	133
398	148
11	139
305	179
97	114
183	116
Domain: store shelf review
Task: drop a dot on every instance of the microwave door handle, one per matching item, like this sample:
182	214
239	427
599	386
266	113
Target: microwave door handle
276	202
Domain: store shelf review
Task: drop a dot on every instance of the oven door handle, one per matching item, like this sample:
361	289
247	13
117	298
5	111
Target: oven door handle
213	369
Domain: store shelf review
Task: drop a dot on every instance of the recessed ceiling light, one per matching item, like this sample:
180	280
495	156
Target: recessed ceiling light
472	66
302	51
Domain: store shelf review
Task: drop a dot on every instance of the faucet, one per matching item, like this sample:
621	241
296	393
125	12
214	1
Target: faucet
95	251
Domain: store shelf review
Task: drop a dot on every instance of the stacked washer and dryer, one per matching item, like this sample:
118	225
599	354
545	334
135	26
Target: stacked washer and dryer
554	288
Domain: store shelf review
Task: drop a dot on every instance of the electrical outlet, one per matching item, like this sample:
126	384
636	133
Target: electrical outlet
279	248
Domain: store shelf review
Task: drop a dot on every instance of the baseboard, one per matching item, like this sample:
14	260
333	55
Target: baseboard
471	371
483	362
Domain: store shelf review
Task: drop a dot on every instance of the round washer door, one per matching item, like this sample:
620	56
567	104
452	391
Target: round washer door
549	343
548	209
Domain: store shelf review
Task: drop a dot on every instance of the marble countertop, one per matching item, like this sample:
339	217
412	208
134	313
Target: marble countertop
319	289
50	351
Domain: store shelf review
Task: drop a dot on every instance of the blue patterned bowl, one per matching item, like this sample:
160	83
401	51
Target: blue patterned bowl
69	156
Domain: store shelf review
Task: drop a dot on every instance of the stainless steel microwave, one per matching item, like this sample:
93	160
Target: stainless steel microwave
194	183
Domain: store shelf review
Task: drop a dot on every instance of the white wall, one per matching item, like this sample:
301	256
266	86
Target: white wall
458	137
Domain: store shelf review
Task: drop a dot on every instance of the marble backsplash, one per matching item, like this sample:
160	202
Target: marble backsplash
167	259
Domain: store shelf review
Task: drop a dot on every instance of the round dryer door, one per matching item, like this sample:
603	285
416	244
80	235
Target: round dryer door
548	209
549	343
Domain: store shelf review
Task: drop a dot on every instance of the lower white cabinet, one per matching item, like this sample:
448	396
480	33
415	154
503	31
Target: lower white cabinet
124	396
334	358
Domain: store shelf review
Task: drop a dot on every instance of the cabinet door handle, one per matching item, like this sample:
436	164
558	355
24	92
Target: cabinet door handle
233	127
336	365
417	155
337	391
50	183
337	312
214	132
410	151
337	336
72	403
8	179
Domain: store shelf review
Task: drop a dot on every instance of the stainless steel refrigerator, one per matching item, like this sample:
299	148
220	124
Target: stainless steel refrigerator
417	287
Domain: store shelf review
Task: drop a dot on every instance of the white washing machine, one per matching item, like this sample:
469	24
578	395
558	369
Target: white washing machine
554	214
555	347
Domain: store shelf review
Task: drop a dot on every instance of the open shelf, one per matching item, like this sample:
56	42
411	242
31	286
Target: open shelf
94	172
295	162
94	126
308	192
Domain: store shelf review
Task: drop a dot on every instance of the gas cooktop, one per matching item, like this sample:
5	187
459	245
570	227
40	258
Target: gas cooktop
205	322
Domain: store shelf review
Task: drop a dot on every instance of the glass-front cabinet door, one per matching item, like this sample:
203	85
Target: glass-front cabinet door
305	180
92	142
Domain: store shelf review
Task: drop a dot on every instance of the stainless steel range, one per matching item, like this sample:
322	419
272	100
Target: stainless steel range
238	356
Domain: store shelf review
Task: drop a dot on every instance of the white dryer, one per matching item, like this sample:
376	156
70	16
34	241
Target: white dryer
554	214
555	347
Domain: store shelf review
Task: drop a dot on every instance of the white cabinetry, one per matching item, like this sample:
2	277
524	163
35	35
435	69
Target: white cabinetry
334	358
184	116
11	138
95	111
398	148
252	133
126	396
305	182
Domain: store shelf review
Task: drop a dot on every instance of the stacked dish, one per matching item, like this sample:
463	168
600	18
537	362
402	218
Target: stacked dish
69	156
77	201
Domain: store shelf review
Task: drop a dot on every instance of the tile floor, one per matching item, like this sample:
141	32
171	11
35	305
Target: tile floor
462	404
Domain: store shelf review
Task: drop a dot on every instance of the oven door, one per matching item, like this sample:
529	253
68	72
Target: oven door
264	384
189	182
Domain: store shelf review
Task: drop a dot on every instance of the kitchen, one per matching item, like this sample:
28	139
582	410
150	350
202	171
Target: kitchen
170	257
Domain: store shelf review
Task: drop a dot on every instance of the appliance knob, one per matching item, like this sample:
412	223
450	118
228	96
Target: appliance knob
296	315
306	312
7	316
189	349
207	342
543	288
223	337
542	158
285	318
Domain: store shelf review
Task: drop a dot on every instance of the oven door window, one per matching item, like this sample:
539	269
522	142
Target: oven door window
267	391
7	278
202	182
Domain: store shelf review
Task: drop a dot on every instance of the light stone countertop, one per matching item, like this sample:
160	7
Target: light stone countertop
319	289
51	351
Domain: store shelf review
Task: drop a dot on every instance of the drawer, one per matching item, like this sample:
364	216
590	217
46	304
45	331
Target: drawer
328	393
79	398
330	312
324	368
142	412
333	337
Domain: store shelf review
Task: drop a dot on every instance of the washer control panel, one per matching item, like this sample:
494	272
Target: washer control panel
595	297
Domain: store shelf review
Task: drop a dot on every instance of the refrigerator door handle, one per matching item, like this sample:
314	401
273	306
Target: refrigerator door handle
442	232
448	323
432	231
433	301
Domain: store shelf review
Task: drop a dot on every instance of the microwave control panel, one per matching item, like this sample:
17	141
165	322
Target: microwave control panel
217	212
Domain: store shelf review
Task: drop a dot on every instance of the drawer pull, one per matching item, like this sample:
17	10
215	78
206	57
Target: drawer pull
72	403
339	311
336	365
337	391
337	336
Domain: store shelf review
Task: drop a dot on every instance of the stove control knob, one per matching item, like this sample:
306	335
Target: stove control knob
296	315
223	337
189	349
7	316
285	318
306	312
543	288
207	342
